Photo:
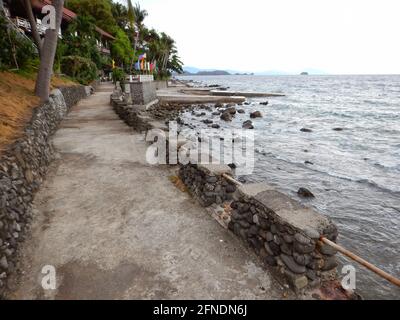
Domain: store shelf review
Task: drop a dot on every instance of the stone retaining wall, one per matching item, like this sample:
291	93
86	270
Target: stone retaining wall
143	92
22	168
131	115
281	231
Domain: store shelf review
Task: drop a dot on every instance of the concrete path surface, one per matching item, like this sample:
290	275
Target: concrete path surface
115	227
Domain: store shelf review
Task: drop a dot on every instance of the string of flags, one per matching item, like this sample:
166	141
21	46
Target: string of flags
142	65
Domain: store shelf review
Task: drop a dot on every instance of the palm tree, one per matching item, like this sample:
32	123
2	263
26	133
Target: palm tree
139	15
42	88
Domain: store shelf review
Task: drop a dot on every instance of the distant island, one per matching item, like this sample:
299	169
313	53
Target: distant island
208	73
304	74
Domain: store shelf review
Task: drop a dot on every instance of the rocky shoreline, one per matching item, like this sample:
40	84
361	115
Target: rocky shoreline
292	250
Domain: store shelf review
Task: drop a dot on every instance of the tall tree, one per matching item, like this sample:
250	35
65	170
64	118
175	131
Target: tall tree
1	6
100	10
32	22
42	88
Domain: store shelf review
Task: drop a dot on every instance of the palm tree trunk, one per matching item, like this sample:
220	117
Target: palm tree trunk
42	89
32	21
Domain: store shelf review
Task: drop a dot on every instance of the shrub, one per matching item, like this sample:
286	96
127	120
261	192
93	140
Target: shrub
119	75
12	43
81	69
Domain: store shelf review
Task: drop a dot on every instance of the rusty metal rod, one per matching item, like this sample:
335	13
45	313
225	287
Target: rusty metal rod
228	177
361	261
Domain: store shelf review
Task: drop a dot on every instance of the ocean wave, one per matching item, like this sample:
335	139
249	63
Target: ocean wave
368	182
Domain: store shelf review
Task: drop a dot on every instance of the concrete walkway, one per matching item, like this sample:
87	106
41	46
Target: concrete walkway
116	228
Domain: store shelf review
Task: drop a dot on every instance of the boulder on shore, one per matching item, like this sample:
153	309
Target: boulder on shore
231	110
248	125
226	116
305	193
256	114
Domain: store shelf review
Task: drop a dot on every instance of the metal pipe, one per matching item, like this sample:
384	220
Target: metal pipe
228	177
361	261
344	251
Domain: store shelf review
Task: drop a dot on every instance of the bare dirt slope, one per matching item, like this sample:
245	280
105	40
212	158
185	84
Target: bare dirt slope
116	228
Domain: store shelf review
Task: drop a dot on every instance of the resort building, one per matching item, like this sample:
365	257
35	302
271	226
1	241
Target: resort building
16	12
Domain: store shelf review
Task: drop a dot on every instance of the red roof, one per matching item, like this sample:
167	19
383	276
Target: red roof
68	15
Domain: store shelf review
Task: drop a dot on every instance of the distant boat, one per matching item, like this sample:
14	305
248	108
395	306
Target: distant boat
304	74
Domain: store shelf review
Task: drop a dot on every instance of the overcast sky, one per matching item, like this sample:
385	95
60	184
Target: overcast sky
335	36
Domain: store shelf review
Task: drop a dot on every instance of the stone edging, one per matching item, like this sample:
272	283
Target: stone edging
23	166
282	232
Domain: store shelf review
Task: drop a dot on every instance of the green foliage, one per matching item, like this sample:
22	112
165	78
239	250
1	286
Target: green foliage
79	68
120	14
119	75
121	48
13	45
99	10
80	40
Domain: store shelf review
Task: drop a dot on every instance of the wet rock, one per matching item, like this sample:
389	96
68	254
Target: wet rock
232	166
241	111
207	121
226	117
216	113
248	125
218	105
305	193
309	163
306	130
338	129
330	264
256	114
231	110
215	126
265	103
292	265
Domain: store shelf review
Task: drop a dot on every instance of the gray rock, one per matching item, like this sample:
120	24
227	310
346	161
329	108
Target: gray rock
330	264
288	238
226	117
292	265
312	233
305	193
306	130
302	239
4	263
248	125
256	114
241	111
269	237
231	111
304	249
327	250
